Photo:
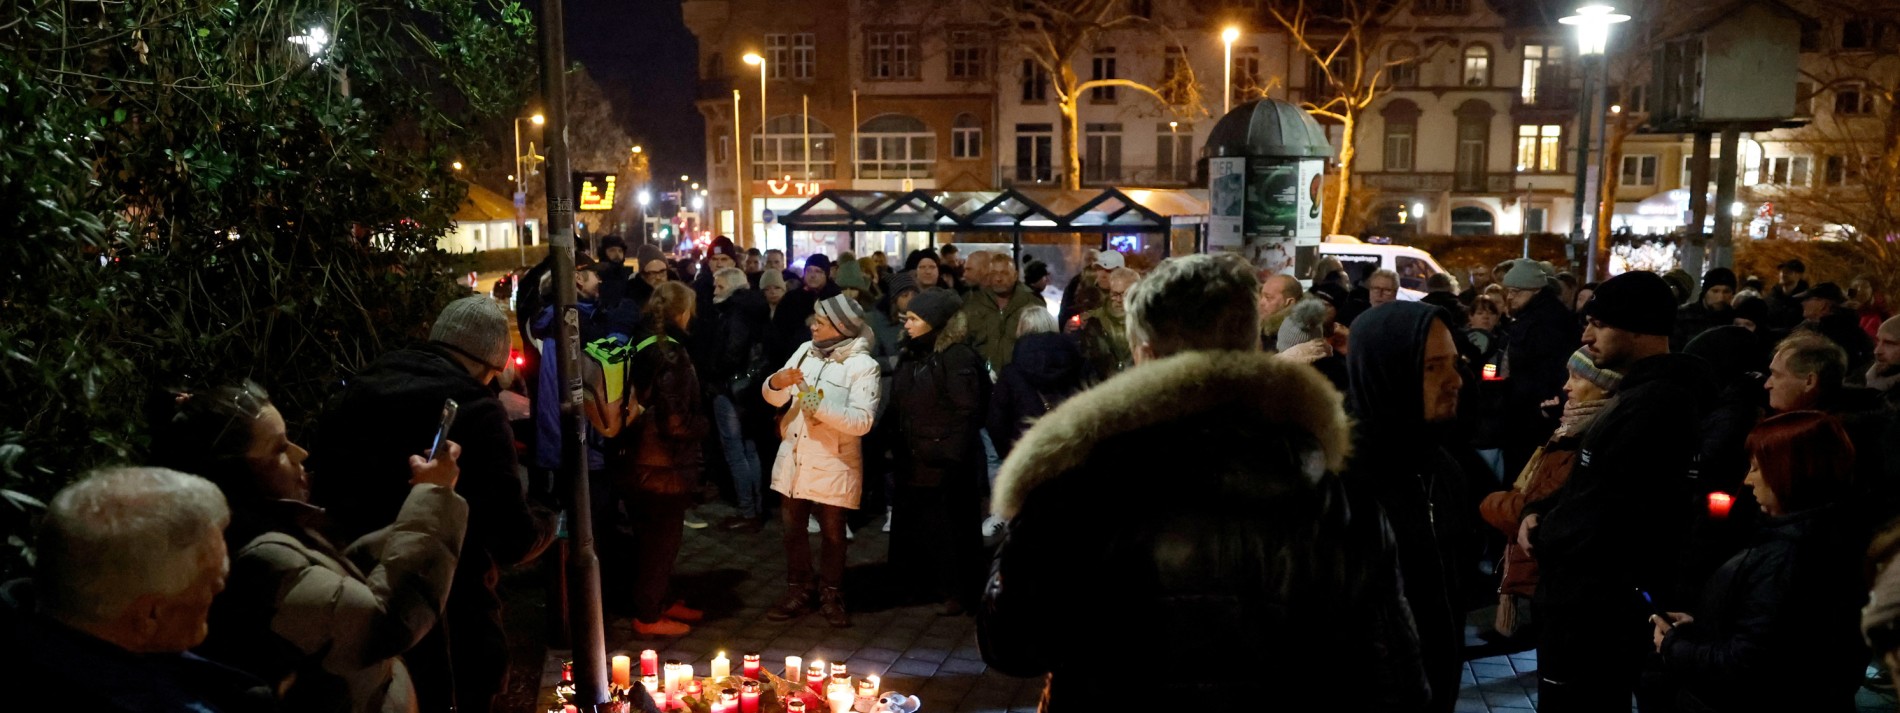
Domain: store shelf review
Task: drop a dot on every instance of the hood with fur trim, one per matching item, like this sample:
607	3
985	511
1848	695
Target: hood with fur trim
1274	391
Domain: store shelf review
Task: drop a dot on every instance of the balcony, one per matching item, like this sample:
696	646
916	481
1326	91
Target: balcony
1031	176
1499	183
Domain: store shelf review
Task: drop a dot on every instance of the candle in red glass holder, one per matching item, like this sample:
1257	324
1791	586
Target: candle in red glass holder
749	696
693	689
649	663
794	705
815	675
567	671
1719	503
750	667
718	707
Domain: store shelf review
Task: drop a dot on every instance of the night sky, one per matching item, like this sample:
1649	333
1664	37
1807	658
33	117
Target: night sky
641	53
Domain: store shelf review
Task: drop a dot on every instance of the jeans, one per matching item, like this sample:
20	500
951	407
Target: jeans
990	456
793	514
742	455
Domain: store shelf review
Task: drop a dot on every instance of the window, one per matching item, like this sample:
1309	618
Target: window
1102	157
1320	84
1857	35
804	55
1103	67
1542	82
969	56
1144	9
1535	219
1177	79
1540	148
1474	131
1472	220
896	146
1639	171
781	150
1635	98
778	55
966	137
890	54
1840	171
1402	61
1246	77
1785	170
1035	83
715	65
1803	99
1174	153
1853	99
1400	139
1413	272
1477	66
1035	145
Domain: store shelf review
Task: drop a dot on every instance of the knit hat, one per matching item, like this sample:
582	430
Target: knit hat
917	256
771	278
1034	271
850	274
1582	365
936	306
476	327
648	253
1718	276
1526	275
1635	301
818	261
722	245
1303	324
1681	283
612	241
902	281
844	313
1793	266
1111	260
1824	291
1751	308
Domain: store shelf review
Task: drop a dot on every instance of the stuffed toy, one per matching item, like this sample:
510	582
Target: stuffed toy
894	702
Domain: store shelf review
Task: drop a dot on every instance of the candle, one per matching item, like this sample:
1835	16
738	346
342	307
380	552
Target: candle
721	666
794	669
749	696
815	674
839	682
718	707
673	676
1719	503
692	687
841	701
867	686
794	705
649	663
567	671
837	669
623	672
652	684
730	697
750	667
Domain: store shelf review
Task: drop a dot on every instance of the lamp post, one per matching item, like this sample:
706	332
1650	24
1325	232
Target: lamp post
521	191
1227	38
755	59
1593	38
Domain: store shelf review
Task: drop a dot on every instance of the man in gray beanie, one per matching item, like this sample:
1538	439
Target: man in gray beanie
389	411
1539	341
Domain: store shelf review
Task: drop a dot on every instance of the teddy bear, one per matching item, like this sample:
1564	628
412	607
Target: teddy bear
894	702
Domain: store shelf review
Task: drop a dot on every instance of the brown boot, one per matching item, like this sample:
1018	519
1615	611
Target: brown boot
797	603
833	609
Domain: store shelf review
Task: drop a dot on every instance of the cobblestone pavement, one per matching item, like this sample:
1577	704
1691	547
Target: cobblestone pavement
736	576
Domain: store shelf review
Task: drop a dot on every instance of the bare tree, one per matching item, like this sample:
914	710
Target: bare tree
1051	33
1347	44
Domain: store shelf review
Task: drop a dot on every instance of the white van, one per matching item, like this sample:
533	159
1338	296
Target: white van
1414	266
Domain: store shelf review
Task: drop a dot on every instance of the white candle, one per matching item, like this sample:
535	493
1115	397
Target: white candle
841	701
794	669
721	666
623	671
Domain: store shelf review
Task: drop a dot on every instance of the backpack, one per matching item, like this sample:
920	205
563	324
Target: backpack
616	363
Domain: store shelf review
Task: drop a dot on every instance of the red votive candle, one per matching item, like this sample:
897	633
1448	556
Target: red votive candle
750	668
749	696
1719	503
649	663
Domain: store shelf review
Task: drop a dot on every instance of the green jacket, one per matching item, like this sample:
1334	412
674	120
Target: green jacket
992	330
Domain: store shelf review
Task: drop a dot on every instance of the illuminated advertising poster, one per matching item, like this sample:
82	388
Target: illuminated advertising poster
1226	194
594	191
1312	191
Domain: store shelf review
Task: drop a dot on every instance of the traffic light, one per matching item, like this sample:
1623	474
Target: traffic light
666	231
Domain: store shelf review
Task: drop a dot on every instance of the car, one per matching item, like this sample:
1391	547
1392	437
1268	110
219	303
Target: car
1414	266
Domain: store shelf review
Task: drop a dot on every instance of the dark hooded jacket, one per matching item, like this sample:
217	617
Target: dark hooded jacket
940	396
1784	311
1620	523
1251	555
735	344
1538	343
1046	371
1403	463
1697	317
665	441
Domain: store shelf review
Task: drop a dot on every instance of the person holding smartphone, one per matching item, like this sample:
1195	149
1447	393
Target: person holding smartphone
1778	628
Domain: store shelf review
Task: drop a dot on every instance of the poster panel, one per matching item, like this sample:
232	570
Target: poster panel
1226	195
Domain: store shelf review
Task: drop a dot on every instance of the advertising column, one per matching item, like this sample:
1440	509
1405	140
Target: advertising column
1267	209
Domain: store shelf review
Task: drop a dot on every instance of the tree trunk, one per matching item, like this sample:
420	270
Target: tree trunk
1610	181
1070	132
1348	148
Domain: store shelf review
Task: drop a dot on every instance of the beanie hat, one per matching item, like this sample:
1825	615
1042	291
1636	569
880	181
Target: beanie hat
917	256
1680	281
1034	272
1718	276
771	278
1111	260
1332	293
936	306
1526	275
843	313
476	327
902	281
1303	324
1751	308
612	241
722	245
850	274
648	253
1583	366
1635	301
1793	266
818	261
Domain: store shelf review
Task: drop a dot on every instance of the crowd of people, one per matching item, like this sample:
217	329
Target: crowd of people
1676	492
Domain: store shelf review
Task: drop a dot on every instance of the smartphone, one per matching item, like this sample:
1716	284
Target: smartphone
1655	608
449	407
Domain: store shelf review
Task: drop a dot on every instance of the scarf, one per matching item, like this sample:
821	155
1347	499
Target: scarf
1883	382
1578	415
824	347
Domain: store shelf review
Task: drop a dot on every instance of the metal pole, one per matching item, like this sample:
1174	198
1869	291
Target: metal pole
1601	108
521	213
588	630
804	109
854	137
1227	79
739	147
1588	99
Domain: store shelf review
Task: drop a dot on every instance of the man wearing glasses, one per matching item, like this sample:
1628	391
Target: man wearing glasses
1539	341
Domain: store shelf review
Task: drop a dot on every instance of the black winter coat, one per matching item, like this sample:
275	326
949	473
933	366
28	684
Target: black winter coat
665	444
785	329
1045	371
1251	556
738	325
1539	343
940	395
1695	318
1778	628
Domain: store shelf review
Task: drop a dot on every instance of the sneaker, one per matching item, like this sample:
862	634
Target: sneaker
811	525
740	523
797	603
680	612
888	512
992	525
849	534
660	629
694	521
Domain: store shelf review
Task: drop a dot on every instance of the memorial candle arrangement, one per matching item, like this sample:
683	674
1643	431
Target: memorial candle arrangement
816	686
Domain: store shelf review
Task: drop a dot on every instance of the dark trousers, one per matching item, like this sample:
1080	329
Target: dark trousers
462	664
793	514
614	546
1589	661
936	536
657	528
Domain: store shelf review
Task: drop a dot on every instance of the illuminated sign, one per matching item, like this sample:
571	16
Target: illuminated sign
789	187
594	190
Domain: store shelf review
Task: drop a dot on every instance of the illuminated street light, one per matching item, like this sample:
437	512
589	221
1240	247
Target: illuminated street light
636	149
755	59
1593	23
644	198
1593	27
457	165
683	178
1227	38
314	40
695	185
1418	211
698	203
538	119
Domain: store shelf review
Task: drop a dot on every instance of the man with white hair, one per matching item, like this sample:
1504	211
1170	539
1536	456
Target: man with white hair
128	562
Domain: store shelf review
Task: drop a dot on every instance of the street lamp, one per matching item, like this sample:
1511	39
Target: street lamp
456	165
636	149
1593	38
1227	38
521	189
753	58
644	198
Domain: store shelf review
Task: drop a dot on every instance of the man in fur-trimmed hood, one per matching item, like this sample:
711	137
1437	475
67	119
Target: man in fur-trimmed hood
1189	504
